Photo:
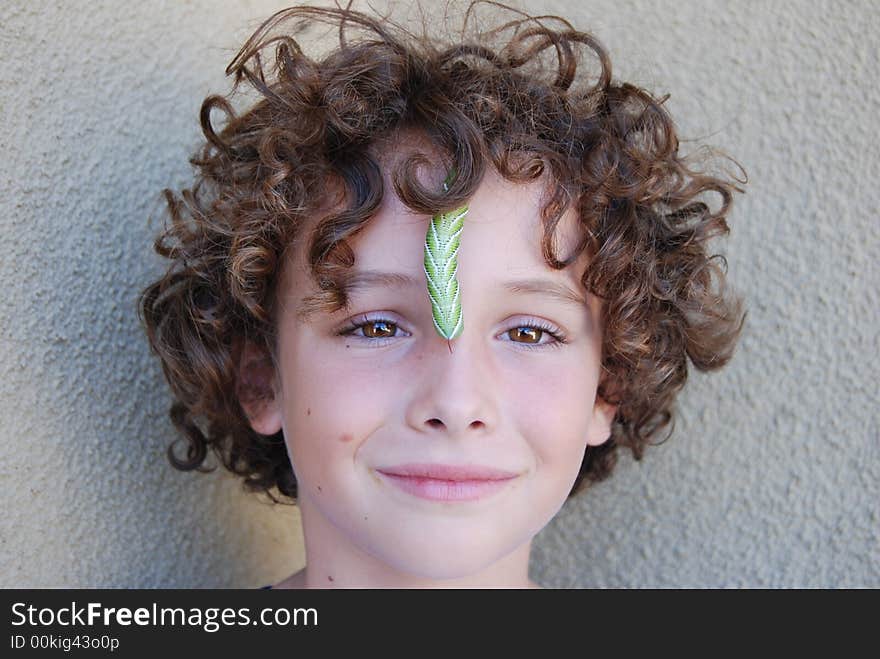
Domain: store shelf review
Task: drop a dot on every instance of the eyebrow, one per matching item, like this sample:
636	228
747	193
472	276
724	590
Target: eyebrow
364	279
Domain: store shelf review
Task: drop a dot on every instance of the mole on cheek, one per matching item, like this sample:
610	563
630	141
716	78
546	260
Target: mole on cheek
309	411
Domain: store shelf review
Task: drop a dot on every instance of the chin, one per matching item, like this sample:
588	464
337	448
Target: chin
443	568
447	558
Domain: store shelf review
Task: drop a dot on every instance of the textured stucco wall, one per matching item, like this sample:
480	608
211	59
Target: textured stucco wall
771	477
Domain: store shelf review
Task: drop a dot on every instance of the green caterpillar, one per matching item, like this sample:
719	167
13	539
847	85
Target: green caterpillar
441	267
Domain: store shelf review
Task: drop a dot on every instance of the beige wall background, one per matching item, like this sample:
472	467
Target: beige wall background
771	477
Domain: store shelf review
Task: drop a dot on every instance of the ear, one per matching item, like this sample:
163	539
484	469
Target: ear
257	389
600	422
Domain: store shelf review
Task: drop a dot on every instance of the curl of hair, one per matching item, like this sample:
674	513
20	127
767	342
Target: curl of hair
533	95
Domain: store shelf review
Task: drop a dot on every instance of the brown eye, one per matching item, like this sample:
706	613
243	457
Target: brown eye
379	329
373	332
528	334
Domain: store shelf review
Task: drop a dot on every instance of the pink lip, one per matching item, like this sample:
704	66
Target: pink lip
437	482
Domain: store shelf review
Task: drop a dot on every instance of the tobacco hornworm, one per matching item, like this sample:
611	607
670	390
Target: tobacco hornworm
441	266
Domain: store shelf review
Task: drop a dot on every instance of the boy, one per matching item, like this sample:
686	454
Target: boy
426	290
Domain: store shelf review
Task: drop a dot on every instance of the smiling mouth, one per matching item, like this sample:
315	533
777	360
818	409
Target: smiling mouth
436	482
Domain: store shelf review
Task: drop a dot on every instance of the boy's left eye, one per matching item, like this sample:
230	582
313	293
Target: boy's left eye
379	330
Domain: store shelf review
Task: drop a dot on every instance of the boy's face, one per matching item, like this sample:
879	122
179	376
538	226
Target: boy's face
356	408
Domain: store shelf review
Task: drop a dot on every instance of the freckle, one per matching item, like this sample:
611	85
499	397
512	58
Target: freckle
365	517
347	437
329	577
309	412
319	489
347	346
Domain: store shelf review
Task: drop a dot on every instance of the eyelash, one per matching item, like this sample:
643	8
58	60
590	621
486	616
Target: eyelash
559	337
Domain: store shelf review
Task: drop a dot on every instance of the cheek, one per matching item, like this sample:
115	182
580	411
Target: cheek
330	375
321	443
553	413
328	412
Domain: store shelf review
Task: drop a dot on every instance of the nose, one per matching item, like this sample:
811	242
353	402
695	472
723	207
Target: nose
455	393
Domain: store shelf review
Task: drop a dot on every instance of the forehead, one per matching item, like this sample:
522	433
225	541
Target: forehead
501	238
502	231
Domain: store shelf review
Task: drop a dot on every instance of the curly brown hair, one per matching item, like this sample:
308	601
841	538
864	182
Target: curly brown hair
489	97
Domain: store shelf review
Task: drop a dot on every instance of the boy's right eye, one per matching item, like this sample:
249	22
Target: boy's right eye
375	330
